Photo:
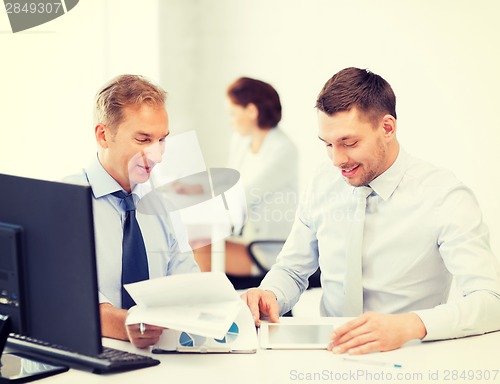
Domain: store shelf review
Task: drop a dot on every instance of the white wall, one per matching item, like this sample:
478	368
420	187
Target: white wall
50	74
441	57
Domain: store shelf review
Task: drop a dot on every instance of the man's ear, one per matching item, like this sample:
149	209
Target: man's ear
389	125
102	135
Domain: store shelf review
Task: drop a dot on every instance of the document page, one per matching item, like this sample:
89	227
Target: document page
205	303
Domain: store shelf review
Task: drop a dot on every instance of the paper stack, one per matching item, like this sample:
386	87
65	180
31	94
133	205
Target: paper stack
202	311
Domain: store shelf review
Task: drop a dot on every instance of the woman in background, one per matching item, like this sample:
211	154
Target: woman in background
268	164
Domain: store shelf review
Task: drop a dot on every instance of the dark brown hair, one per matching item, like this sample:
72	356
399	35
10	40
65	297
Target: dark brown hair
124	91
246	91
360	88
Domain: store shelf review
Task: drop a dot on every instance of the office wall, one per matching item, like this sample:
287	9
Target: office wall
50	74
441	57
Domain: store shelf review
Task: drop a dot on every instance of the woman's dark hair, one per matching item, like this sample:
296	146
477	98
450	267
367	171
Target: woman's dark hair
246	91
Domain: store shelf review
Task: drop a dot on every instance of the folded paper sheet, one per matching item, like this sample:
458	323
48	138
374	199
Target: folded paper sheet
204	304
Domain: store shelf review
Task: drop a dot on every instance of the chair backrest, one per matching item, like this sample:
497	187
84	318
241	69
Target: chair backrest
263	254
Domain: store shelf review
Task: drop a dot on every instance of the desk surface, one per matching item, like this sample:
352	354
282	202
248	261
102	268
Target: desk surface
468	360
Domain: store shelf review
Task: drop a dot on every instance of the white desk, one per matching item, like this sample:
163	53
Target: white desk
468	360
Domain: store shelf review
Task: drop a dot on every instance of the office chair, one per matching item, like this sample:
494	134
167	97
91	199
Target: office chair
263	254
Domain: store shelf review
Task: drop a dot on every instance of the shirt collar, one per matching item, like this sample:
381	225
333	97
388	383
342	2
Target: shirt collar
103	184
385	184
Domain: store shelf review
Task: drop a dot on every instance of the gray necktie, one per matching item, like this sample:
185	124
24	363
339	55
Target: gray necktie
353	281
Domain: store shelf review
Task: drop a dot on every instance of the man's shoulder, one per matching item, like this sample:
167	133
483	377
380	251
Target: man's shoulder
426	173
76	178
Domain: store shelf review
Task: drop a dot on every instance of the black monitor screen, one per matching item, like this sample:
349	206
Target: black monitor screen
55	224
12	289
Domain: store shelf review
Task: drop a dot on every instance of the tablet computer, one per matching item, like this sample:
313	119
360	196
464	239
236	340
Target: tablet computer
294	335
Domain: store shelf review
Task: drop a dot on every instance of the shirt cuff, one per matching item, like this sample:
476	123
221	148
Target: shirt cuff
438	324
280	297
103	299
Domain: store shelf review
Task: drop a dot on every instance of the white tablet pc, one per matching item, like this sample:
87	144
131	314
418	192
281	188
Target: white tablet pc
285	335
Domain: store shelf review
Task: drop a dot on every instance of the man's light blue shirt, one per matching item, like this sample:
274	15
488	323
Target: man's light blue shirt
163	246
422	228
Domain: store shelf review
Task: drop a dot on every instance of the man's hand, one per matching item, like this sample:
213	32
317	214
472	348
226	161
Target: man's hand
376	332
113	325
143	335
261	303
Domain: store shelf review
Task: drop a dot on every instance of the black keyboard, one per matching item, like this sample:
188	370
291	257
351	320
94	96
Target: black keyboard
109	361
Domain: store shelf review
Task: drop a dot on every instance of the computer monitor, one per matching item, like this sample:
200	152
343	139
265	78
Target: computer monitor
48	278
11	279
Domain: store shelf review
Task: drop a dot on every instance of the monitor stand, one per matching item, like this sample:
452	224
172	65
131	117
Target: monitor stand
15	368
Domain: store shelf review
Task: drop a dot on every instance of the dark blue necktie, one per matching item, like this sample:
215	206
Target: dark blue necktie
134	257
